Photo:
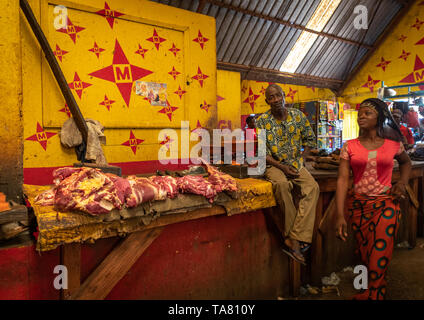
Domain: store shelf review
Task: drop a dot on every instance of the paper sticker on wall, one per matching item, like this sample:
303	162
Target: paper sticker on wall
152	91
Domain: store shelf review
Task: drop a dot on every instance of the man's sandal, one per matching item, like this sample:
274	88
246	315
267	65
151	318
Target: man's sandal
294	254
304	246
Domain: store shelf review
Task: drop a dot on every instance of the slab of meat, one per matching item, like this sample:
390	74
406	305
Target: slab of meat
46	198
197	185
88	190
123	187
143	190
221	181
167	183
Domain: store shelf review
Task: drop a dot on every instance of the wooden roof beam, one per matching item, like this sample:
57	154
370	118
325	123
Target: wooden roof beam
286	23
271	75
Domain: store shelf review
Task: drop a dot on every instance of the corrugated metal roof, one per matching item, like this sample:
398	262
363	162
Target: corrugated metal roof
249	40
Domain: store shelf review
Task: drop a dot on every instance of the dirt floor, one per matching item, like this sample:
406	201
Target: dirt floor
405	278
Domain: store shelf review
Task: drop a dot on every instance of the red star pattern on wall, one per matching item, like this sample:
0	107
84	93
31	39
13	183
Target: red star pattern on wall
262	91
107	102
166	141
200	40
198	126
312	88
109	14
404	55
174	73
291	93
96	50
122	73
420	42
59	53
71	30
174	49
402	38
200	76
370	83
417	75
66	110
219	98
417	24
78	85
156	39
41	136
168	110
251	99
180	92
132	142
141	51
205	106
383	64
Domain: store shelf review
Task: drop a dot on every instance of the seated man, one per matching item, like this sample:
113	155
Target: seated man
287	131
406	132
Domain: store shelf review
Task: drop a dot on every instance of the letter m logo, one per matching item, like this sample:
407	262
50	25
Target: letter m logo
109	13
78	85
419	76
41	136
122	73
133	142
71	29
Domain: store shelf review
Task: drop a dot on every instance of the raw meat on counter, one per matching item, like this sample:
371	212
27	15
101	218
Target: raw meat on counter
92	191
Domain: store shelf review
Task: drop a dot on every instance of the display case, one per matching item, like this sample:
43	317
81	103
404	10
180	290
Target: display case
326	122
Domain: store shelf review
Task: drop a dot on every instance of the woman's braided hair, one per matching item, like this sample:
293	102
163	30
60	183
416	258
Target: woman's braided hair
387	128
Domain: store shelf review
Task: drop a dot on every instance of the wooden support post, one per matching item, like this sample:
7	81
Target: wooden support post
71	259
413	217
294	277
316	264
102	280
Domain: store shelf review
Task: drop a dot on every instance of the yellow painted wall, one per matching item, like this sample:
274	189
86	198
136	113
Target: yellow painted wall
229	99
253	95
404	52
10	101
112	73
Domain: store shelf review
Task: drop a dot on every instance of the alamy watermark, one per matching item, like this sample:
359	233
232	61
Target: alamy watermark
61	17
361	20
60	281
361	280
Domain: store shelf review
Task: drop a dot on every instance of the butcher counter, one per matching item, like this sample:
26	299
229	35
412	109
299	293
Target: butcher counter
188	249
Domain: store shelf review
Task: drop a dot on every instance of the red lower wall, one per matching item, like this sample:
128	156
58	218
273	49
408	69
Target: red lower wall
218	257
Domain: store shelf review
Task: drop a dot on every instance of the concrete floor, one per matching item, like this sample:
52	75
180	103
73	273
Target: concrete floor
405	278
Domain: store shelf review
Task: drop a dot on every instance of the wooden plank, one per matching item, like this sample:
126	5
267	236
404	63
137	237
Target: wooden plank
323	224
102	280
16	213
412	196
185	216
71	258
294	277
316	263
413	216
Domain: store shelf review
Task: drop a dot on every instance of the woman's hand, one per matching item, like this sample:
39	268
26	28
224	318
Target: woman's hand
399	191
341	228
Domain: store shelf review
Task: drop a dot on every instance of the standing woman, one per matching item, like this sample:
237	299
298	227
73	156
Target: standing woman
373	207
